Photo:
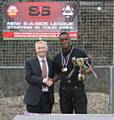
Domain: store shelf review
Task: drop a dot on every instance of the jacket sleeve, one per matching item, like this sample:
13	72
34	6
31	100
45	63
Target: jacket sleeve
56	65
30	76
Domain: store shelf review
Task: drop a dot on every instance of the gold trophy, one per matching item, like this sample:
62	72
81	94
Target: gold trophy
80	62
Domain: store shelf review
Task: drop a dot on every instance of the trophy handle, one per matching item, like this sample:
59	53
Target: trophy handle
90	67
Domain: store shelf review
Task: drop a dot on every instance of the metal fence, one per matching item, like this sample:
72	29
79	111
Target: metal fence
95	26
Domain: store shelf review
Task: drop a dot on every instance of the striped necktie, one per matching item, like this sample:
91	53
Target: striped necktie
44	68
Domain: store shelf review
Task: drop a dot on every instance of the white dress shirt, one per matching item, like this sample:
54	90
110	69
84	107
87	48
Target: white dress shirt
45	79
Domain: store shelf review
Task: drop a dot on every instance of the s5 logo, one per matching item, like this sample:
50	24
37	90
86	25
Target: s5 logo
39	11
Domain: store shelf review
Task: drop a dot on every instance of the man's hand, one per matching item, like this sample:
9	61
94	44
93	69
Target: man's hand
85	71
48	82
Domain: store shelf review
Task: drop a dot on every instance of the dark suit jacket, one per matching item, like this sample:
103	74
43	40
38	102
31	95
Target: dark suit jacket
33	78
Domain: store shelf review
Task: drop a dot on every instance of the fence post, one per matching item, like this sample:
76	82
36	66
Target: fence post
112	89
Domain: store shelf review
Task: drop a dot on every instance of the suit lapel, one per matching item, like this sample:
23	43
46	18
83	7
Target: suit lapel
37	65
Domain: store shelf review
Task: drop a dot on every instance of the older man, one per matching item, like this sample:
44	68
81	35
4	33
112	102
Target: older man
39	97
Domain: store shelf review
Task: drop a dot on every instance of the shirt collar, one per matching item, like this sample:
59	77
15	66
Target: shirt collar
41	58
65	53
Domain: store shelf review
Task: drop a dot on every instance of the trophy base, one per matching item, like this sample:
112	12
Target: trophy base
81	77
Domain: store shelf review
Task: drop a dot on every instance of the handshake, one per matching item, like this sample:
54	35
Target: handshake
48	82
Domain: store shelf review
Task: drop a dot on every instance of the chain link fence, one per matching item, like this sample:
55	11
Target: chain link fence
95	27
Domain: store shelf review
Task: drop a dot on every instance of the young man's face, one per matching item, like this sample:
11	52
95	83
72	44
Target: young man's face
41	50
64	40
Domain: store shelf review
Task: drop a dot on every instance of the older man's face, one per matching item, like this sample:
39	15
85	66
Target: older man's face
41	50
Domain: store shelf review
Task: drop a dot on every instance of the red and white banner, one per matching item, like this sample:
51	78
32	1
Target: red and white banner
36	35
39	19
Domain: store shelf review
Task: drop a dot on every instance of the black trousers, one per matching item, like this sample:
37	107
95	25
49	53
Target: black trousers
73	100
44	106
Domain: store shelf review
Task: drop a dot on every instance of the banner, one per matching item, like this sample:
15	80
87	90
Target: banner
33	116
39	19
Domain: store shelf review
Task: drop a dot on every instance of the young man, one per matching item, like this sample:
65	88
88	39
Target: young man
39	97
72	94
